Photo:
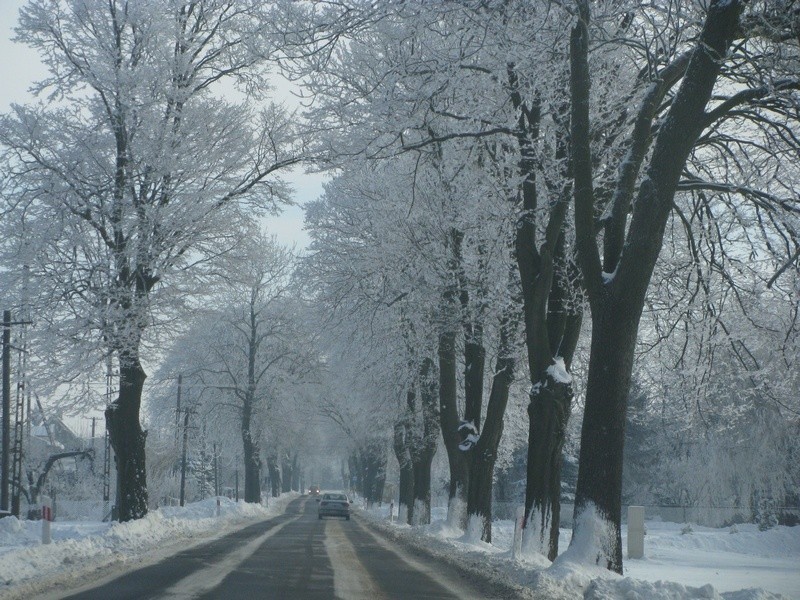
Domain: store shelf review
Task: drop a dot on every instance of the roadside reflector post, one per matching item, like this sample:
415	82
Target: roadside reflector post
519	524
636	532
47	516
391	512
217	505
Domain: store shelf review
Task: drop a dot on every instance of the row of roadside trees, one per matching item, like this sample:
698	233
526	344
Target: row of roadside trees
507	176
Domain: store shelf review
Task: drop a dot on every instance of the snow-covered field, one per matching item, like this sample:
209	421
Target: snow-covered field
740	563
78	548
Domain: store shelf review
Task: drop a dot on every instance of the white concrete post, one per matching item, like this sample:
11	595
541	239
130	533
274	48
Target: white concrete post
217	505
47	516
391	512
636	532
516	548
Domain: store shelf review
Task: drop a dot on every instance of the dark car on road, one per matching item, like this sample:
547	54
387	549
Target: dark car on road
334	505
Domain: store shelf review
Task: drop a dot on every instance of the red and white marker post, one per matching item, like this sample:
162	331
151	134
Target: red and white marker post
47	517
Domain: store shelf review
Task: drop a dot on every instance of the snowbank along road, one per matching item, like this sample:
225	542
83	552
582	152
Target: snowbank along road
294	555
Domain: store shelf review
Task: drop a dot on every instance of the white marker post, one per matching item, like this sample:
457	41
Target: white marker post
636	532
217	505
391	512
47	516
516	548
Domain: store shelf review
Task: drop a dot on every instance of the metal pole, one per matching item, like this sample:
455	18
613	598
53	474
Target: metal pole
237	484
183	456
6	409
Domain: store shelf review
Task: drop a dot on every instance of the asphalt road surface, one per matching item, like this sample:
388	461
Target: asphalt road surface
293	556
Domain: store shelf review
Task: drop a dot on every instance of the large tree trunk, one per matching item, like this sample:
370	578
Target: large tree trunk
474	367
252	470
424	444
128	441
550	333
484	454
603	431
422	488
274	475
372	462
448	415
617	301
286	474
250	452
296	472
549	411
406	487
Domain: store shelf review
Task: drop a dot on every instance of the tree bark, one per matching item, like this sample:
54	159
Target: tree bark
550	332
603	431
372	463
274	475
128	440
548	411
484	454
406	487
296	472
423	448
449	421
250	452
286	474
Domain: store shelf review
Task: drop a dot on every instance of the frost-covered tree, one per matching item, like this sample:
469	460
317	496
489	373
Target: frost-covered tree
134	174
480	91
246	344
721	82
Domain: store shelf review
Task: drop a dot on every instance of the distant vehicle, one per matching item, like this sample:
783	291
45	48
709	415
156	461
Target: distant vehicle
334	505
314	490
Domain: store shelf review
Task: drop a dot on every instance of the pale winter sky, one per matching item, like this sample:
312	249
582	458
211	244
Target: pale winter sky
20	66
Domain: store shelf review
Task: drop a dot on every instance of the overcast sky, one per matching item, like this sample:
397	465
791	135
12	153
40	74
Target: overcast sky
20	66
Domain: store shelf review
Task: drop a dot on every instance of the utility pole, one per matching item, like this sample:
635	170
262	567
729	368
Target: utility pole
106	474
19	424
6	402
216	472
186	412
178	407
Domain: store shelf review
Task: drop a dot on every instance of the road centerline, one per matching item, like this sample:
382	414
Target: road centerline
207	579
351	581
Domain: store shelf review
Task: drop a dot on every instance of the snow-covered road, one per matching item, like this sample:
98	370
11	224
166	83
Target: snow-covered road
290	555
353	562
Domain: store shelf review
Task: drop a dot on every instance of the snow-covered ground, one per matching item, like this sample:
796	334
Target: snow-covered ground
740	563
27	566
731	564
